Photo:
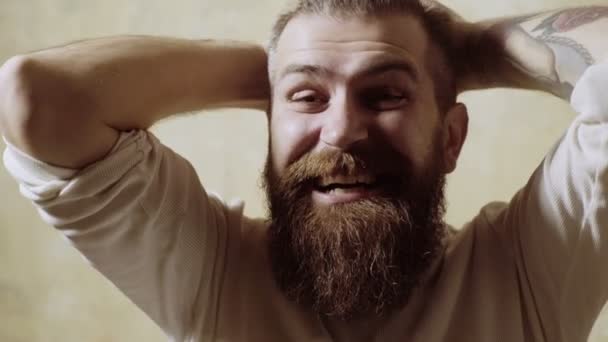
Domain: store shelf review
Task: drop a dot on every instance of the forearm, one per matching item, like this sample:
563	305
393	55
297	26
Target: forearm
548	51
133	81
66	105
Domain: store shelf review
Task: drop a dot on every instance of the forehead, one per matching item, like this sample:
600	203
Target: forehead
348	44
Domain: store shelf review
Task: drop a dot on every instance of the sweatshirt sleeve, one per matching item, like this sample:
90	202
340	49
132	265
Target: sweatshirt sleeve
141	217
557	225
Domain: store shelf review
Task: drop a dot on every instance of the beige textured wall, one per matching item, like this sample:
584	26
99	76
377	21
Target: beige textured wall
48	293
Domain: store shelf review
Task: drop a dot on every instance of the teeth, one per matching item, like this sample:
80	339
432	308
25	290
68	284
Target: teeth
347	180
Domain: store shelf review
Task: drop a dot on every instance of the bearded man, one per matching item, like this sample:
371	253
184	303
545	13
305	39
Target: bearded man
364	126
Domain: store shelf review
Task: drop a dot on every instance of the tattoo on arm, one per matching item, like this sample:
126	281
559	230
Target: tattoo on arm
568	20
554	35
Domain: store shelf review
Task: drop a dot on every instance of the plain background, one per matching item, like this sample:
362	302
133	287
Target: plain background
47	291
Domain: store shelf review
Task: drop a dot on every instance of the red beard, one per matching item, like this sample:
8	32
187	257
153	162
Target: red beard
360	258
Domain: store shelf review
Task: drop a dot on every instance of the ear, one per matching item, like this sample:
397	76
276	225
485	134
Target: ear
455	129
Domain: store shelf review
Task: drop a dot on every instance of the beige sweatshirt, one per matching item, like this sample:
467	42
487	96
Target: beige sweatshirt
529	270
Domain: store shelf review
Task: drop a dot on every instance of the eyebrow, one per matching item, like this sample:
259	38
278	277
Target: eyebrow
308	69
370	70
400	65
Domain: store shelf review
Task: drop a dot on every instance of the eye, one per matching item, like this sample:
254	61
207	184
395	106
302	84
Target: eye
384	99
307	100
307	96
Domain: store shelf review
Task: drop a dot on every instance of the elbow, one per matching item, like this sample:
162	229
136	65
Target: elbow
30	97
17	101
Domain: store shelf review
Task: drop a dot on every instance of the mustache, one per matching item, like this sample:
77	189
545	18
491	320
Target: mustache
355	162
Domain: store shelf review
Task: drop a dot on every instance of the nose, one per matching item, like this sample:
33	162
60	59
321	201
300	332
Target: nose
345	124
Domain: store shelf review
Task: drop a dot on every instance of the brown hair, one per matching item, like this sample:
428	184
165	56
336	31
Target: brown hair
439	61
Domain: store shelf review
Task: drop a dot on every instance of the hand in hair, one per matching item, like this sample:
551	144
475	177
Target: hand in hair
459	39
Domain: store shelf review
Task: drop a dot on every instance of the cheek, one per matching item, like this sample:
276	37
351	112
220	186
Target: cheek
407	134
290	134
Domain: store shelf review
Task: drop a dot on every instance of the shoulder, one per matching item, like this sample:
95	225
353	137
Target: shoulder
589	96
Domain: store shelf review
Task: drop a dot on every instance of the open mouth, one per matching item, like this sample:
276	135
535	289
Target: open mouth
332	183
342	188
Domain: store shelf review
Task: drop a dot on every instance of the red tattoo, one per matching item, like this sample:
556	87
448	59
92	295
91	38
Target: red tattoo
570	19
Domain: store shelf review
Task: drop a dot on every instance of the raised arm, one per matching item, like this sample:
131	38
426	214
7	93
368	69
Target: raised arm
548	51
138	212
66	105
555	226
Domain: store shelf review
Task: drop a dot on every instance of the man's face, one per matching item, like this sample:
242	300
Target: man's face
337	83
357	163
